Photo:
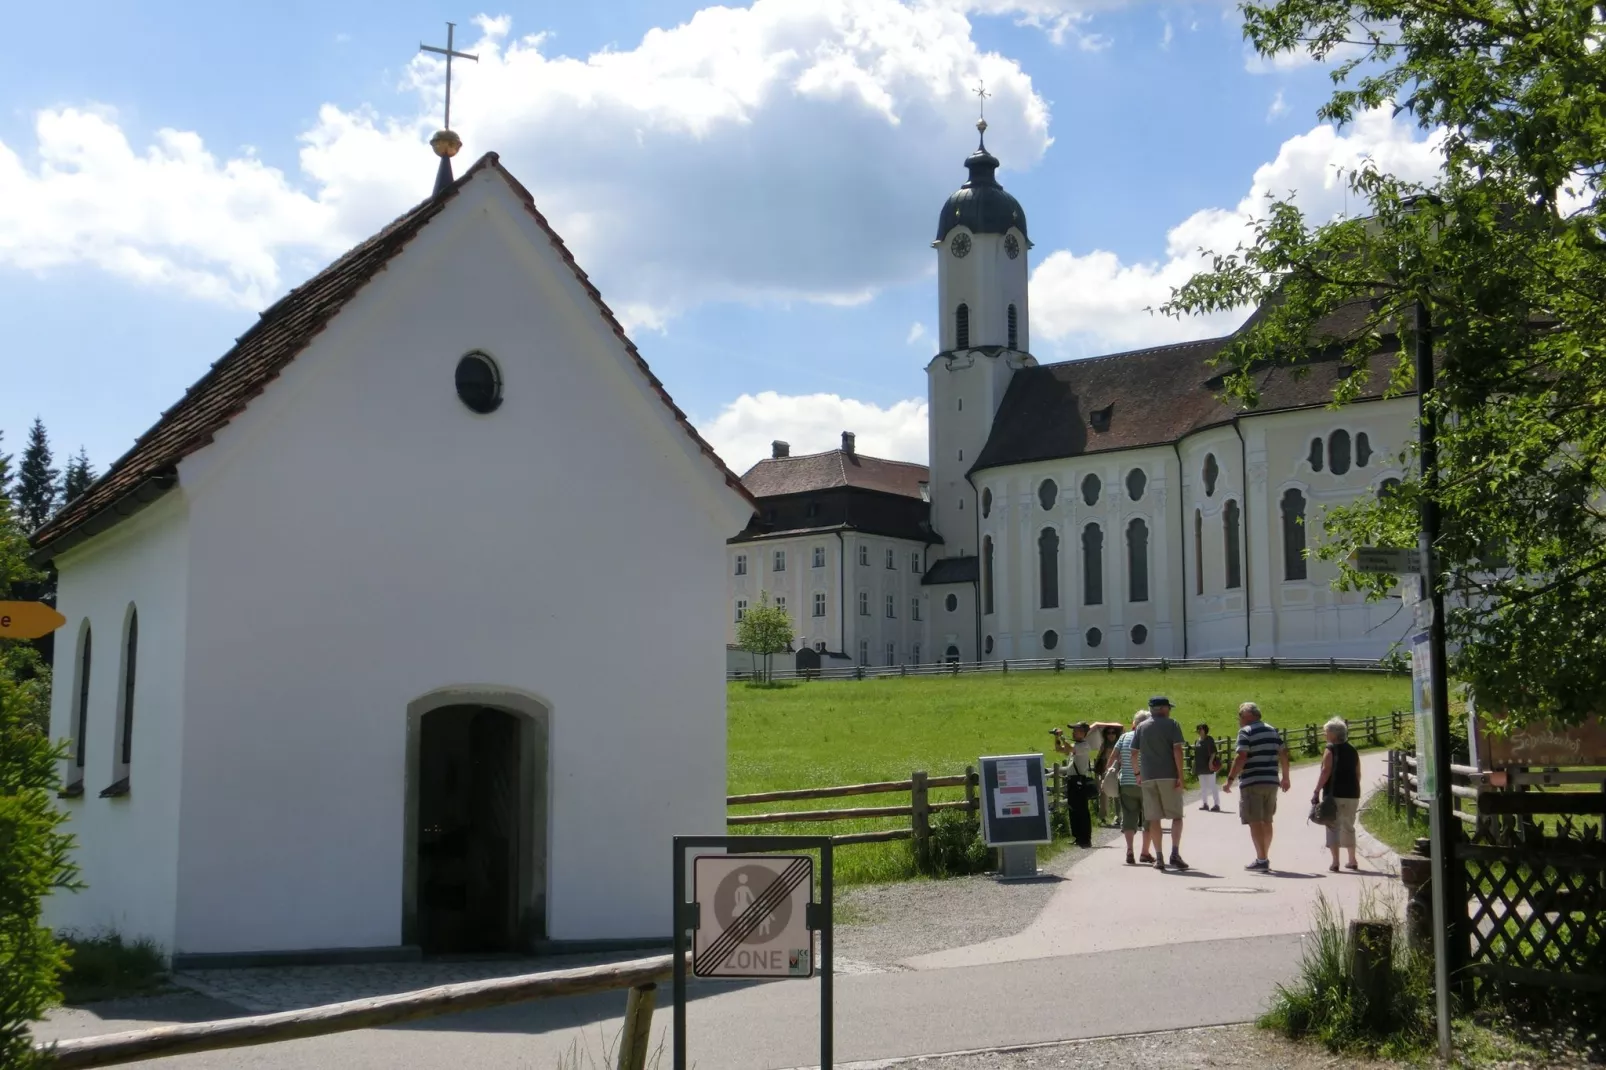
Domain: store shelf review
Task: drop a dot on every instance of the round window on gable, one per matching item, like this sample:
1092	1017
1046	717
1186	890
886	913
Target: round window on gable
952	602
479	383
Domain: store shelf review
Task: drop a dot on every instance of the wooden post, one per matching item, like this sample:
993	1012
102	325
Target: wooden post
1416	875
637	1036
1371	959
920	802
970	789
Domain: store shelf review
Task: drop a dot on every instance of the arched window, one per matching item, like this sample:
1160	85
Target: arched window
1135	482
987	574
1051	639
1092	566
126	704
1231	536
1047	494
962	327
1014	334
1338	452
1137	561
1212	472
1198	552
1363	449
1090	490
1315	457
986	502
1386	489
1293	535
1048	567
81	715
952	655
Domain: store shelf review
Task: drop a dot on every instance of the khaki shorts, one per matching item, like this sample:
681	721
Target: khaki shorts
1259	804
1162	801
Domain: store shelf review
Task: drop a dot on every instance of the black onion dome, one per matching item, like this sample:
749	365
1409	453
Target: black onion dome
981	203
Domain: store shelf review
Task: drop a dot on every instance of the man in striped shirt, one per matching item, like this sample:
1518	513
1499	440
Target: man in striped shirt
1262	765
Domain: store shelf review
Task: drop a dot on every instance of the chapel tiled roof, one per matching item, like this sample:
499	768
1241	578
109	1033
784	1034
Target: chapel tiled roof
952	570
834	468
280	334
1153	397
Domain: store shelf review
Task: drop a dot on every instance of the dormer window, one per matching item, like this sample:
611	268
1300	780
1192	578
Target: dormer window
1100	418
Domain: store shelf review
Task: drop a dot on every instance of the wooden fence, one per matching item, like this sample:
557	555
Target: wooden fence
954	668
1531	872
640	977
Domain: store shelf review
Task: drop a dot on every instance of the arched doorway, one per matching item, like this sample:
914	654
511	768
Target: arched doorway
952	655
476	828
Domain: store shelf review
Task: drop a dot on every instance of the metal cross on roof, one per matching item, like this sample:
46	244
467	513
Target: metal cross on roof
981	104
448	53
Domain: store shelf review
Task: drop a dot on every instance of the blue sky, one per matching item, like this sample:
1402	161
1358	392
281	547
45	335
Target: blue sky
753	188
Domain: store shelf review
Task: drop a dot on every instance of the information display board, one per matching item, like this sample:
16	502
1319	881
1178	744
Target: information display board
1422	705
1014	801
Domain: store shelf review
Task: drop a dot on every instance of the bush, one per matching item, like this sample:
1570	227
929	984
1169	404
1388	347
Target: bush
957	849
103	967
1323	1004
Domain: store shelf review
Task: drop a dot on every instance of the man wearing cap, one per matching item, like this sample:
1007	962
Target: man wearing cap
1080	786
1158	751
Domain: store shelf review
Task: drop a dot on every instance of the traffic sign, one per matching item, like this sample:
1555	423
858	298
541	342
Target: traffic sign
1386	559
753	916
28	620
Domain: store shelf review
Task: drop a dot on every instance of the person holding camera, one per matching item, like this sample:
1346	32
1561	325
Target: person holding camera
1081	788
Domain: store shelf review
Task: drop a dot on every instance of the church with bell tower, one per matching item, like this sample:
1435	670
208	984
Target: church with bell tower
1113	507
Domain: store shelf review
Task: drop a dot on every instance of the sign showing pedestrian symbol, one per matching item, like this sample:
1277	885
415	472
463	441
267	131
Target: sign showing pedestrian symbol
752	916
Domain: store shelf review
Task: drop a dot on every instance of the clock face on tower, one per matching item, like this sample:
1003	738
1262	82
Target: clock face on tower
1012	246
960	245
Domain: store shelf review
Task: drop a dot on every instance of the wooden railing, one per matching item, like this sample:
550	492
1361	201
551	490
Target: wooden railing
1404	789
919	811
954	668
640	977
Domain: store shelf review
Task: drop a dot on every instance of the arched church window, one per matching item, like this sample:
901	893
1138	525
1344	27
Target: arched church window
987	574
1092	565
1136	481
1230	535
1363	449
81	721
1338	452
1198	552
962	327
1048	567
986	502
1137	561
952	655
1212	472
1293	535
1047	493
1090	490
125	706
1014	333
1315	457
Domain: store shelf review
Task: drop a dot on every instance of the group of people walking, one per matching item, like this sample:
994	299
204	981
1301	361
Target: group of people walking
1136	774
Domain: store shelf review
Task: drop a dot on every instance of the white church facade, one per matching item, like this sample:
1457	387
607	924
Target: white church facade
330	670
1112	507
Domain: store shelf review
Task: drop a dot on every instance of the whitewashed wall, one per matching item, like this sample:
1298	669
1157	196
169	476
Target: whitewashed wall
359	539
127	846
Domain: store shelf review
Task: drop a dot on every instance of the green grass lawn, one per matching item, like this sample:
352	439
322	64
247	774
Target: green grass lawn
820	733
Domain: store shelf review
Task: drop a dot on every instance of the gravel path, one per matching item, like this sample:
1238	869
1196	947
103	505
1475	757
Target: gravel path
893	922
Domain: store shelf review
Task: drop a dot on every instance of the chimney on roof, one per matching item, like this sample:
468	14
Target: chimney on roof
847	443
780	449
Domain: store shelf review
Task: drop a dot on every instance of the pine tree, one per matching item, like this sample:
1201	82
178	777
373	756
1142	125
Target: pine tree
5	469
78	476
36	480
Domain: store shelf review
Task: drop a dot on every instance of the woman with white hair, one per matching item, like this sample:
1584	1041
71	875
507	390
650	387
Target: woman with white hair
1131	797
1340	781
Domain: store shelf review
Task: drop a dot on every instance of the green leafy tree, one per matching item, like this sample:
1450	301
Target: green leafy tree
78	476
765	630
36	479
34	852
1504	254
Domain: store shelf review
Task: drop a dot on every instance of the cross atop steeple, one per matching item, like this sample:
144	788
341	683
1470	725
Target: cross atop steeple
446	142
448	52
981	105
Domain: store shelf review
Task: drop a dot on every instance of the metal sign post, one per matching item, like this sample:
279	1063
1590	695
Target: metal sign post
753	916
1014	811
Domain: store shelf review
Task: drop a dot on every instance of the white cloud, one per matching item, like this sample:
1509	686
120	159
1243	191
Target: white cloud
1279	107
917	334
700	165
1092	302
813	423
1166	37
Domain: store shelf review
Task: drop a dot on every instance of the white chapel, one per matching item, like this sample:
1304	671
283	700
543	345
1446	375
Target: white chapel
1111	507
332	670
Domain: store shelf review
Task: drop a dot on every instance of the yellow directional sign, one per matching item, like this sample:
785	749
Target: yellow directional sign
28	620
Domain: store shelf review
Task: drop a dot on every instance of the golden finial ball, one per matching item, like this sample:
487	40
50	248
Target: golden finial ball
446	143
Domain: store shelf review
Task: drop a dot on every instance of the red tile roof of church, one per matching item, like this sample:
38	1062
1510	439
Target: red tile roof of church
281	333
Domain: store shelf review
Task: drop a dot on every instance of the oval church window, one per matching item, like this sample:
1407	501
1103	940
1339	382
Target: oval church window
986	502
1136	481
1212	471
1047	493
952	602
1051	639
1090	490
479	383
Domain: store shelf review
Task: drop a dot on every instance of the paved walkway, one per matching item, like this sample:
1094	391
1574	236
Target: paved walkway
1117	949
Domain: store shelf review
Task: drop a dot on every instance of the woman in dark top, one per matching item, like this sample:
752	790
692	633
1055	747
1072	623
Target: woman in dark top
1340	781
